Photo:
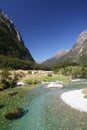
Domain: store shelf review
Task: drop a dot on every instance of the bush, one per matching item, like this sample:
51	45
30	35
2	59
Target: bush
32	81
29	72
2	86
5	74
7	80
14	80
49	75
5	83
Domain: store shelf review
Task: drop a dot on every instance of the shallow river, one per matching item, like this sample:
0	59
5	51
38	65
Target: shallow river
47	111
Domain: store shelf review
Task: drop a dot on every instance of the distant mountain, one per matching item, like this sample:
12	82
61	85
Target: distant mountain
78	53
56	57
11	43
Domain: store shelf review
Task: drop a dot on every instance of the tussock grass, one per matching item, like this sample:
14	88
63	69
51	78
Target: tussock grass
38	79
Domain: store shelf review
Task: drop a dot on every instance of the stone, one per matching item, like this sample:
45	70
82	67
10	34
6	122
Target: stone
15	113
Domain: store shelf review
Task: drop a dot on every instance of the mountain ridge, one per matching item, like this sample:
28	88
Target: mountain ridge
78	52
56	57
11	43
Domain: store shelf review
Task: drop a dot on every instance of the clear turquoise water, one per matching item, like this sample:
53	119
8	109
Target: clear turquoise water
47	111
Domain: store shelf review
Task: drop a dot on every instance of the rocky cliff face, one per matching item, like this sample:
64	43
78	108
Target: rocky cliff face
11	43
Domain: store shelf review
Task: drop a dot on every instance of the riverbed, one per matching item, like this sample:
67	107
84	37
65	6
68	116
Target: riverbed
47	111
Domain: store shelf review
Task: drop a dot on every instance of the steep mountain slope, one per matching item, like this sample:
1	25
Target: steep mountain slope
56	57
11	43
78	53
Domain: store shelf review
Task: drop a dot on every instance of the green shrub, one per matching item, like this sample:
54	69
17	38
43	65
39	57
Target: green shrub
14	80
8	80
5	74
5	83
29	72
32	81
5	79
2	86
49	75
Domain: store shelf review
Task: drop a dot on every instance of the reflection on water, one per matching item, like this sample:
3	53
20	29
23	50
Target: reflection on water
47	111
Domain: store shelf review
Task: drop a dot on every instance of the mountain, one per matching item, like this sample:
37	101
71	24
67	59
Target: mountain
56	57
11	44
78	53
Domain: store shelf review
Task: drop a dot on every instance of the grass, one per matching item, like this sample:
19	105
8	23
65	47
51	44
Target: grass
37	79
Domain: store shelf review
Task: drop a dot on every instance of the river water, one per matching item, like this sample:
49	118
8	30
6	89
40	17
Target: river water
47	111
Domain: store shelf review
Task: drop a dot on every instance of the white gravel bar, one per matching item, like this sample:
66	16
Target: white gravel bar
75	99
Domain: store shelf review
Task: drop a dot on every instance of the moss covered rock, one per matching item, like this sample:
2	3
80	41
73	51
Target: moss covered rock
15	113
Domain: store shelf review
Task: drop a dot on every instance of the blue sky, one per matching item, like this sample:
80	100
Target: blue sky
47	26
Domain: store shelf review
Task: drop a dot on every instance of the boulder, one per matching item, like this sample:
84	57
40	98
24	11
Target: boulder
55	85
15	113
20	84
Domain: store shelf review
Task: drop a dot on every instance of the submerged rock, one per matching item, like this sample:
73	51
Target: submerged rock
15	113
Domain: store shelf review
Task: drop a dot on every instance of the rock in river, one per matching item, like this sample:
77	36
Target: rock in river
15	113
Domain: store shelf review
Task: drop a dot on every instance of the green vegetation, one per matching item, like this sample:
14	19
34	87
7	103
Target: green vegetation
13	53
9	43
15	63
85	92
8	80
46	78
71	69
9	102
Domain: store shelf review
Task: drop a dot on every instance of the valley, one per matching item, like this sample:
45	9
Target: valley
30	92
